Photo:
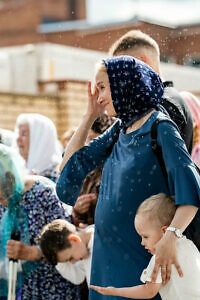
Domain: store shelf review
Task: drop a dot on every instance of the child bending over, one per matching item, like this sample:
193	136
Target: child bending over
68	249
151	221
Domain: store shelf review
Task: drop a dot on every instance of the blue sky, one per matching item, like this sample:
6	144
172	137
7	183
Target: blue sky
171	11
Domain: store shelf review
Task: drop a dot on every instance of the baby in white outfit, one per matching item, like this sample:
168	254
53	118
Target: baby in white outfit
152	219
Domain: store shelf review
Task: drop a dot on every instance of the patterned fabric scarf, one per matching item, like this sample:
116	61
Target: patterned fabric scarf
14	218
135	88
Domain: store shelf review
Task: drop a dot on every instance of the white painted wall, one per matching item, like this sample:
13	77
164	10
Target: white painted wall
22	66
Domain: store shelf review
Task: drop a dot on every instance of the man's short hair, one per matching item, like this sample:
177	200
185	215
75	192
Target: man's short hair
134	39
159	208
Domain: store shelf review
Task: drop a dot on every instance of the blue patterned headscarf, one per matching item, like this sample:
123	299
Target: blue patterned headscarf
135	88
14	217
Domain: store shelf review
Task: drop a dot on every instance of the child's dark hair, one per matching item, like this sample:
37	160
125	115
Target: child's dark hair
54	238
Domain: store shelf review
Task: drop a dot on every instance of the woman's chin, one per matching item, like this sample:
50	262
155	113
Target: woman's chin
23	155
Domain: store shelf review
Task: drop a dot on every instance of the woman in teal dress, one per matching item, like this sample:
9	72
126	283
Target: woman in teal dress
130	90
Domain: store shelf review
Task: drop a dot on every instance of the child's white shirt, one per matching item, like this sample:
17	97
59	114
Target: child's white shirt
179	288
76	273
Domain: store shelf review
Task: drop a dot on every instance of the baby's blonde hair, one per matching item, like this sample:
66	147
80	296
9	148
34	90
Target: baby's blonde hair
159	207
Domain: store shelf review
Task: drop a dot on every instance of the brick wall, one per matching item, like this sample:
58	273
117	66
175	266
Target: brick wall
21	15
62	9
102	38
54	9
176	44
19	19
185	43
65	110
80	10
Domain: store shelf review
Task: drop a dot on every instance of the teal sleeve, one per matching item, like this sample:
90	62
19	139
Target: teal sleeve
183	177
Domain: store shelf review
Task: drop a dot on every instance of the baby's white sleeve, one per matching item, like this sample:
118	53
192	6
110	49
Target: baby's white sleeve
75	273
147	273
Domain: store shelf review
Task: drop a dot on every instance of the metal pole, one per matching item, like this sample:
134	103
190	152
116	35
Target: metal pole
13	263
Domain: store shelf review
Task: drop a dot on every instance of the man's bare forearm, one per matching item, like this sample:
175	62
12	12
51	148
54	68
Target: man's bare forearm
145	291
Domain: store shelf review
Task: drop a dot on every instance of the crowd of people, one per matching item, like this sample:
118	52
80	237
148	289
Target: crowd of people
99	215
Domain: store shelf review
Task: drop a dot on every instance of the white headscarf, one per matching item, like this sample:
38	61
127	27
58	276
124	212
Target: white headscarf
44	150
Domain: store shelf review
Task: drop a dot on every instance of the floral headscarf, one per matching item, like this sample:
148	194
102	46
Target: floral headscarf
135	88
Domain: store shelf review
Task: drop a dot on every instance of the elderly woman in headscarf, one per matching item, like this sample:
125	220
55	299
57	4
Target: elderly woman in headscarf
38	144
194	104
129	89
28	202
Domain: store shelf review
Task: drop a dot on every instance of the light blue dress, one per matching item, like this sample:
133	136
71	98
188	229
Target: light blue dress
131	174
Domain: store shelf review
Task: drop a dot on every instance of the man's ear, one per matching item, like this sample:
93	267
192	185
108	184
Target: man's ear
74	238
143	57
164	228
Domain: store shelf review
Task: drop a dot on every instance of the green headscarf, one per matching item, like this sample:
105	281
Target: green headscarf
12	169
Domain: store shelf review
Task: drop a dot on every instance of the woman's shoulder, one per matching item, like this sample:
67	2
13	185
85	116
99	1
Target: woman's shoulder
41	193
168	136
164	121
39	183
145	129
52	172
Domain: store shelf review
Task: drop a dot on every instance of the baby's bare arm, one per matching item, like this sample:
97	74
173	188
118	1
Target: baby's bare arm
145	291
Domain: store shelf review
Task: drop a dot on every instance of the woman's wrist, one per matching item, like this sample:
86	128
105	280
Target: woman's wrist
34	253
89	119
75	217
170	235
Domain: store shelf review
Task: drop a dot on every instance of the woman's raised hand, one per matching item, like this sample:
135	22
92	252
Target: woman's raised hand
94	109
